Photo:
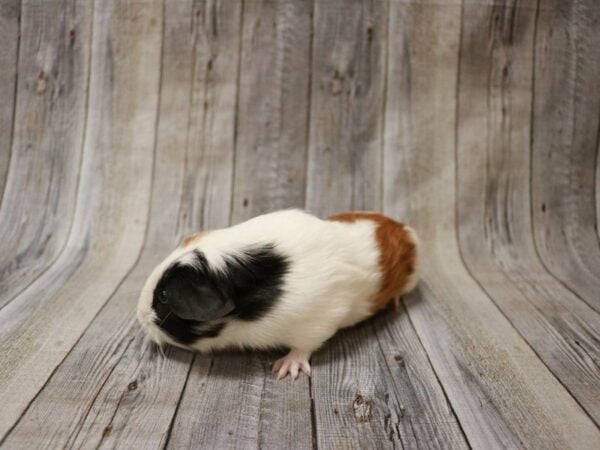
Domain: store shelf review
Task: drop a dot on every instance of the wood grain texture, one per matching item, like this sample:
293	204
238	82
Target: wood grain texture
363	397
566	129
41	326
499	389
49	122
494	210
273	105
347	98
231	402
10	25
420	414
126	125
269	173
347	387
373	387
116	377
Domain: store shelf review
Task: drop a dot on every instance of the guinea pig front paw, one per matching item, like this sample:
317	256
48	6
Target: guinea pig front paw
292	363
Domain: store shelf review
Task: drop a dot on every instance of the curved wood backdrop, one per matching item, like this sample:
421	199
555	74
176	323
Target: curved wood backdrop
125	125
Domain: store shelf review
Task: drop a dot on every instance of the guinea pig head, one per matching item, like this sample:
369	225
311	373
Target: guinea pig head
182	302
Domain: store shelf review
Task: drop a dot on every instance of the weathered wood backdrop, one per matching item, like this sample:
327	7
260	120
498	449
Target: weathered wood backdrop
126	124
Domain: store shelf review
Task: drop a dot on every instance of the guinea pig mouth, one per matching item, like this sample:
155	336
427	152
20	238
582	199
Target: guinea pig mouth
152	331
147	319
160	337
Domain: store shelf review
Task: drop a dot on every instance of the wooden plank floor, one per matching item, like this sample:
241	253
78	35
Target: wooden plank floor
125	125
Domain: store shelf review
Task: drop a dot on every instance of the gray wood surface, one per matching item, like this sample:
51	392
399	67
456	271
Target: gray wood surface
40	327
272	129
47	136
564	178
346	108
502	393
126	125
9	54
494	207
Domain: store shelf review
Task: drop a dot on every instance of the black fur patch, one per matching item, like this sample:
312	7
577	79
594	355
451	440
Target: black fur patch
247	289
254	281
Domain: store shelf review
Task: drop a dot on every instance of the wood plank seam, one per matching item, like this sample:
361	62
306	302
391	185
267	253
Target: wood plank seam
383	111
260	429
75	434
313	413
435	373
237	106
183	390
313	417
311	49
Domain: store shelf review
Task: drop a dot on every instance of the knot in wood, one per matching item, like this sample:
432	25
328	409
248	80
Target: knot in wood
361	407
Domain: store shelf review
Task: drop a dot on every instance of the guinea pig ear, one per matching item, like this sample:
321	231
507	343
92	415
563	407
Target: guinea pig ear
202	306
191	298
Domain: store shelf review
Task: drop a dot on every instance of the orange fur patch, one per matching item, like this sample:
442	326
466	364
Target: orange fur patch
193	237
397	258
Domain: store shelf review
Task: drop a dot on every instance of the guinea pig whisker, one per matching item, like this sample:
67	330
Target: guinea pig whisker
146	342
161	349
166	317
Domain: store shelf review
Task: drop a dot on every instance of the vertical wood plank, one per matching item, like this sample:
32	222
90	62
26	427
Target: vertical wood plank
566	126
494	210
273	107
40	327
233	400
347	98
10	24
39	199
497	386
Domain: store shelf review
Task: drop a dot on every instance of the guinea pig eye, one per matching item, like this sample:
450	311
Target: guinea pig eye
162	296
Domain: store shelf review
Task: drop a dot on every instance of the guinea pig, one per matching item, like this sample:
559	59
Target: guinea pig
284	279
